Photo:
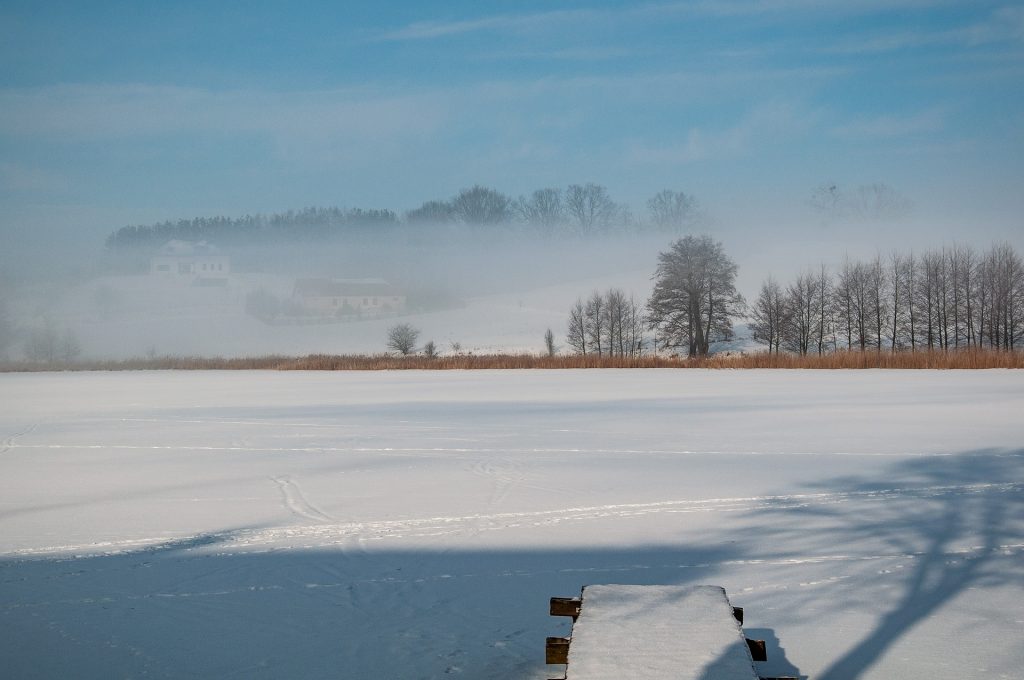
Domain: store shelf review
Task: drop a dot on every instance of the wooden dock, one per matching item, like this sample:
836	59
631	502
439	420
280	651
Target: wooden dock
654	632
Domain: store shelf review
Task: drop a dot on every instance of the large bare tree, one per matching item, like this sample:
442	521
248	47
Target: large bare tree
695	297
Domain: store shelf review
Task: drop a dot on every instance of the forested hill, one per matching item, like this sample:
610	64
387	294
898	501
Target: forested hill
582	210
306	224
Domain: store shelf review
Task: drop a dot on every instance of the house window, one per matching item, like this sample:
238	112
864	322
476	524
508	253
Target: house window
163	267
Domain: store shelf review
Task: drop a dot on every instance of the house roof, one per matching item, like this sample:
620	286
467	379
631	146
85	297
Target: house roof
179	248
344	288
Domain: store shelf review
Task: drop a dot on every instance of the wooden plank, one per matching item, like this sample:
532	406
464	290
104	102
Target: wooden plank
758	651
737	613
556	650
565	606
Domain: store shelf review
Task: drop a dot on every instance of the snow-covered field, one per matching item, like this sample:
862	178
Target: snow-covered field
414	525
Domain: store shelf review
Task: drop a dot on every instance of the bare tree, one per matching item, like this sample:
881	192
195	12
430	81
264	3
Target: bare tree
402	338
590	207
623	324
611	324
549	342
482	206
1006	281
800	313
898	307
695	297
672	210
595	322
767	315
927	298
544	209
876	201
577	333
431	212
913	278
825	310
945	299
634	327
845	292
877	283
430	350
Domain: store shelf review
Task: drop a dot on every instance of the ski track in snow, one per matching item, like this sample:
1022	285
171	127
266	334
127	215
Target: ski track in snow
903	560
10	442
296	503
326	532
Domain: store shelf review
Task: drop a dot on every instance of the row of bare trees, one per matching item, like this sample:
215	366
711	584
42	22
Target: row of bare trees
608	324
582	209
692	306
944	299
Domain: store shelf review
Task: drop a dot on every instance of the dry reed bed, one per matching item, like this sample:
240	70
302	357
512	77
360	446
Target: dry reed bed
959	359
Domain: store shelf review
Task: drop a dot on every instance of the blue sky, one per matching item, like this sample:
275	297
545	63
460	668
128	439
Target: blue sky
133	112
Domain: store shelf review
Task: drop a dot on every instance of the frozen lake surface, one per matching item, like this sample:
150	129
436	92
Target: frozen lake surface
414	524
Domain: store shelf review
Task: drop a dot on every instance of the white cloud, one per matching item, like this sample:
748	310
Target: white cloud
765	123
893	125
426	30
1005	24
102	112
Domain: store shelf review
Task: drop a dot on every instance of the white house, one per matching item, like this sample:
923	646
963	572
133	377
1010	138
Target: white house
343	297
193	263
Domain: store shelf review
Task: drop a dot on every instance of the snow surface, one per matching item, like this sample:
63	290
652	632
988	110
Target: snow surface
658	633
415	524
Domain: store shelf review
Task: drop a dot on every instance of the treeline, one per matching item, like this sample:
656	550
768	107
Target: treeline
692	306
579	209
944	299
303	225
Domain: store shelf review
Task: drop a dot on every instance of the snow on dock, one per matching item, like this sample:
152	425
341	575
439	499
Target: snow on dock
654	632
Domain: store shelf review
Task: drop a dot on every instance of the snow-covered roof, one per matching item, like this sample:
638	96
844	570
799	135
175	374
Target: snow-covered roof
178	247
344	288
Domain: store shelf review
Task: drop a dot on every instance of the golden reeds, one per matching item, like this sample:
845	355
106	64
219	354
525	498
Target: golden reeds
954	359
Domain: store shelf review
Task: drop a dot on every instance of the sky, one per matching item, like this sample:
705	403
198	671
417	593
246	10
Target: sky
116	113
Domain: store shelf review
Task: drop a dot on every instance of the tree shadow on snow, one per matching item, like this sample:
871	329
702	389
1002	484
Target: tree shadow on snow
954	523
188	608
195	608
